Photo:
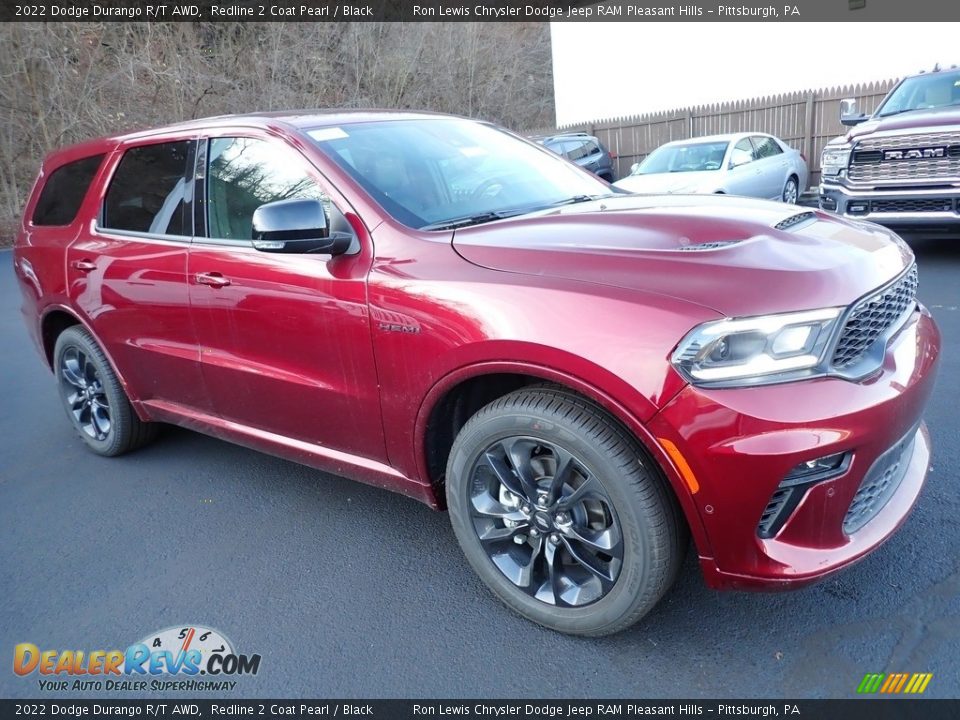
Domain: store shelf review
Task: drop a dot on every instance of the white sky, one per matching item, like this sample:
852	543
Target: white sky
612	69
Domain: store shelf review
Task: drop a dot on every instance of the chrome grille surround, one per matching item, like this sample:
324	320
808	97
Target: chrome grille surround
868	166
874	318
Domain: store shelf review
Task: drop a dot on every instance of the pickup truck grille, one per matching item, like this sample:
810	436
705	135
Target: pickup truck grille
872	317
912	205
871	160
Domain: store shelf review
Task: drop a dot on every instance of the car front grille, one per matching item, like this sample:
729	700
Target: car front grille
870	163
872	317
917	205
880	483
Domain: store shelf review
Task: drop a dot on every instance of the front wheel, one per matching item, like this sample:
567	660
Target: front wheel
562	514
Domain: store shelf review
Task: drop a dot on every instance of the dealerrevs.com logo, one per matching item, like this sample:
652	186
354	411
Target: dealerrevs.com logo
180	658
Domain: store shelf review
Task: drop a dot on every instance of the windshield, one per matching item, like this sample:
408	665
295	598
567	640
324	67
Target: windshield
431	174
695	157
922	93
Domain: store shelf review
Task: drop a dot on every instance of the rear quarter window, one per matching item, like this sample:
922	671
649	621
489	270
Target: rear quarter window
64	190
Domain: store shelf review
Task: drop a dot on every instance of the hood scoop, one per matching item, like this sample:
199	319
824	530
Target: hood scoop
795	220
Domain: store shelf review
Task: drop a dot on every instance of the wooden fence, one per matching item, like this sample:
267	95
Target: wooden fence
806	120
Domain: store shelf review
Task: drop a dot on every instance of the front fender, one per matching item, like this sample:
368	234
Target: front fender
605	395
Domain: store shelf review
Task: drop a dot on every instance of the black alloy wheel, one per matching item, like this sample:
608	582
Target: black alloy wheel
84	395
545	521
562	513
94	398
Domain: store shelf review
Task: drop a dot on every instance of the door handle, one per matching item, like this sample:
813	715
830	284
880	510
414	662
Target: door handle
83	265
213	279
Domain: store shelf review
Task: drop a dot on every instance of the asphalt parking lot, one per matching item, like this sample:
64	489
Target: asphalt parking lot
348	591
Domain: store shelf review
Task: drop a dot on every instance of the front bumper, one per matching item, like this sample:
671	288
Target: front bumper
739	444
936	210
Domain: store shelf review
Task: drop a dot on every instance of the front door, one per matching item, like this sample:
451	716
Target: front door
284	339
743	174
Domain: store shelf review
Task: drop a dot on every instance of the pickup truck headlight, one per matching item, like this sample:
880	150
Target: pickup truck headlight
745	351
835	159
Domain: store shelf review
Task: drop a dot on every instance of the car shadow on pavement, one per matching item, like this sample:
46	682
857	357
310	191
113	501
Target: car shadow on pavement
808	642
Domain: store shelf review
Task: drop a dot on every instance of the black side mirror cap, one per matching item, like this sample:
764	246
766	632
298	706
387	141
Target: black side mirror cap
851	120
297	226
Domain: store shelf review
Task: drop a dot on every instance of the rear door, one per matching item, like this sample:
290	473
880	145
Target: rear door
773	164
285	338
127	272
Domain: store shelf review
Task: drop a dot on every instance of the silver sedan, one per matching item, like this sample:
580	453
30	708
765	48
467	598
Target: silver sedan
750	164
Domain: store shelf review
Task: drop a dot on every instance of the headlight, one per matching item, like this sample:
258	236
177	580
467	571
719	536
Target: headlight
834	159
745	351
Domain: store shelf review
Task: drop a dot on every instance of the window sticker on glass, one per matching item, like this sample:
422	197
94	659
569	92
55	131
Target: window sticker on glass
327	133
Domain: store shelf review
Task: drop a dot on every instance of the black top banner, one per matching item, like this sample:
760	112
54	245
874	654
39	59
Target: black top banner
471	10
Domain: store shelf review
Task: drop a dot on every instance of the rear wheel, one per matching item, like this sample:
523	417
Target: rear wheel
791	191
94	397
561	513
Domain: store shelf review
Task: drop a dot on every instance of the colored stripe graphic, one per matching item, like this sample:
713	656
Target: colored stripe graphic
894	683
871	683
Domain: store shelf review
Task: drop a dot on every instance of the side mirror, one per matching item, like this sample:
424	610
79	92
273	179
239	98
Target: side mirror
740	163
849	114
296	226
634	168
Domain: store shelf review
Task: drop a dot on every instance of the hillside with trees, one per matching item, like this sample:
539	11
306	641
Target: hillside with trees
61	83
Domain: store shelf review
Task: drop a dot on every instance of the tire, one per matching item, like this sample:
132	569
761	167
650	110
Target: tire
612	489
791	191
93	396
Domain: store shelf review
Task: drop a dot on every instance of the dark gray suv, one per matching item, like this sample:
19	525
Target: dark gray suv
585	150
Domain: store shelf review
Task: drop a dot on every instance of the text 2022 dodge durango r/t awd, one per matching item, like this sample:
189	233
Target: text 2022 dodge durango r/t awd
584	378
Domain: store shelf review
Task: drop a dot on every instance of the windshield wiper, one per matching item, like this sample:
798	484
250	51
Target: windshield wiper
485	217
578	199
900	112
467	221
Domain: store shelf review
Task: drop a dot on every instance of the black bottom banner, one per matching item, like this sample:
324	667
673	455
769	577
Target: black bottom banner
865	709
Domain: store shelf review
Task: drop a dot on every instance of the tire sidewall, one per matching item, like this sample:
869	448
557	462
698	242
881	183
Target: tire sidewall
80	339
786	186
627	592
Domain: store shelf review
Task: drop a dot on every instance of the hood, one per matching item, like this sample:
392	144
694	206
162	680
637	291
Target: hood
683	182
721	252
914	120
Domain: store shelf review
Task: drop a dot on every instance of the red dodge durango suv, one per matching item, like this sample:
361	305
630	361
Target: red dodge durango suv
583	377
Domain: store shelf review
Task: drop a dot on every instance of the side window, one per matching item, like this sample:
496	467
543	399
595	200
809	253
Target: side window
742	153
64	190
581	149
555	146
245	173
592	148
766	147
149	191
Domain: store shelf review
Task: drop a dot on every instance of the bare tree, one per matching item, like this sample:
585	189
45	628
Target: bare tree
61	83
